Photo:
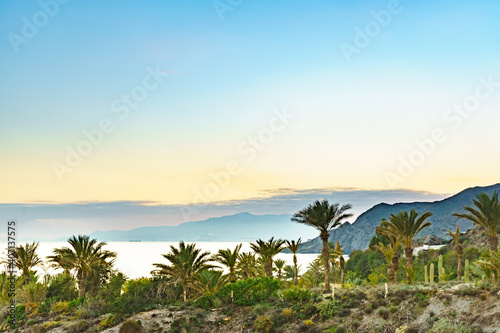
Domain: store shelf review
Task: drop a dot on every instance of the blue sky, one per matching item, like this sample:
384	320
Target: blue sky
221	84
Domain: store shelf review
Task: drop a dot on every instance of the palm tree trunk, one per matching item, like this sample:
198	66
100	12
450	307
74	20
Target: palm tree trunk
493	242
459	269
395	264
342	269
268	267
334	278
326	261
295	271
82	283
390	272
409	262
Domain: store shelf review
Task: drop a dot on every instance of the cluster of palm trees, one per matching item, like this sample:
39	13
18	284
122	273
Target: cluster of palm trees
197	272
402	229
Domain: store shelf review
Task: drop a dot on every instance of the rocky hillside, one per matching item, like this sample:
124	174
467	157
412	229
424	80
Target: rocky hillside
405	309
358	234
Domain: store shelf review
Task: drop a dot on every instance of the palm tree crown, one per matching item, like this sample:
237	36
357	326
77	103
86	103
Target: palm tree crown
405	226
26	258
185	262
86	258
229	259
487	216
267	250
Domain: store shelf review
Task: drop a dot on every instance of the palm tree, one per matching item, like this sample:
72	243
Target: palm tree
324	217
208	282
86	258
406	227
395	243
340	255
389	252
247	265
459	248
229	259
487	216
185	262
289	272
279	263
26	258
293	246
490	264
266	251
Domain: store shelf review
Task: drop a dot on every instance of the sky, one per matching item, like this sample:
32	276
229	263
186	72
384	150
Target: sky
175	103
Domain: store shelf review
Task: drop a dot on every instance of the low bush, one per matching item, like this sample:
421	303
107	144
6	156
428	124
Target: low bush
131	326
296	295
263	324
446	325
250	292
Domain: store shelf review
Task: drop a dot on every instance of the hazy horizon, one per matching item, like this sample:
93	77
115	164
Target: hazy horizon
167	112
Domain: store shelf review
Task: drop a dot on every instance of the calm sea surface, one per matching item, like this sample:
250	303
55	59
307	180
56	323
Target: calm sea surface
135	259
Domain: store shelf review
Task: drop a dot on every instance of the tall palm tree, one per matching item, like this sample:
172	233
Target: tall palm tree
293	246
406	227
487	216
247	265
267	251
395	243
26	258
459	248
389	251
86	258
340	255
323	216
279	264
229	259
185	262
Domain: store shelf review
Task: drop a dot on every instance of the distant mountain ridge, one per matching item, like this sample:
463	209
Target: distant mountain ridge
242	227
358	234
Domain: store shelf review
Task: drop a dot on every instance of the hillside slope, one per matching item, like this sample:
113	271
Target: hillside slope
358	234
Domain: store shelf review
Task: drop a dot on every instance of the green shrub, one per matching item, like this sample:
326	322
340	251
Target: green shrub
109	321
260	309
421	299
384	313
250	292
263	324
331	309
131	326
60	307
62	287
78	327
445	325
143	295
467	292
296	295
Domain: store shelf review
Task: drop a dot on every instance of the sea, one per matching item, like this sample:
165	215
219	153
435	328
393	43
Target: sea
136	259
